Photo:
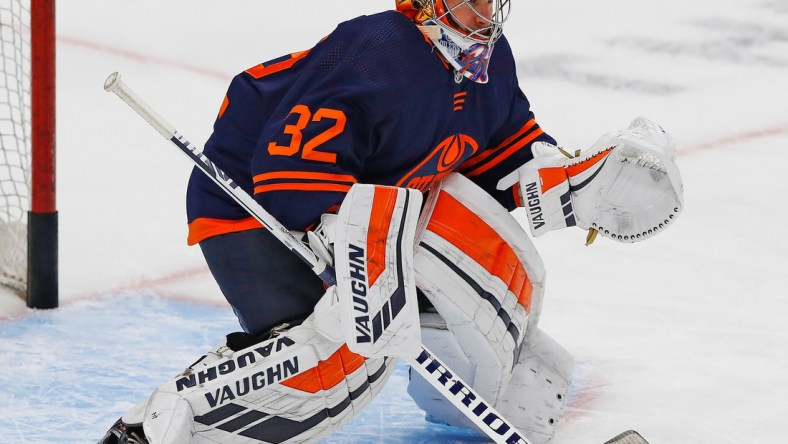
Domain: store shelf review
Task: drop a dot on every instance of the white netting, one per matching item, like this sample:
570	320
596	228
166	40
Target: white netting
14	140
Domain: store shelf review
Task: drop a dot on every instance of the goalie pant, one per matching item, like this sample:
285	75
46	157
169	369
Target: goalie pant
485	279
297	387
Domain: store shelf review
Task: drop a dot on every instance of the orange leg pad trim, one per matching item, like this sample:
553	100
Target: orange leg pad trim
328	373
465	230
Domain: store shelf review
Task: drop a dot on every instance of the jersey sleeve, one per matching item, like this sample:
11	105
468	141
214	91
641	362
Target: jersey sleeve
313	147
230	146
509	149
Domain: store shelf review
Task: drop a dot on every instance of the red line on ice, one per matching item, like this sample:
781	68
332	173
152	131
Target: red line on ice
144	58
775	130
177	276
151	283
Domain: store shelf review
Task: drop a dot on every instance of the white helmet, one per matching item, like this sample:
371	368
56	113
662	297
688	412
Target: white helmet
467	49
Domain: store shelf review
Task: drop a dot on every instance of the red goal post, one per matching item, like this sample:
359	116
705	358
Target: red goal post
42	252
28	211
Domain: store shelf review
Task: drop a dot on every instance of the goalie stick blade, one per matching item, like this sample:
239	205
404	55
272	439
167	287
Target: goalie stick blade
628	437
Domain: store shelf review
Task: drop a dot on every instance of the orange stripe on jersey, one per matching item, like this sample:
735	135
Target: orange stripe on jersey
383	204
551	177
334	187
465	230
328	373
574	170
202	228
223	108
305	175
528	125
459	100
261	70
492	151
508	152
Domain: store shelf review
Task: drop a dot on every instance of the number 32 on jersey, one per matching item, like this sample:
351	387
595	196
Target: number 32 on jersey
309	149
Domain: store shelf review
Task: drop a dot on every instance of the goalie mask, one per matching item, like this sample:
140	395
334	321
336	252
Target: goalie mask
464	31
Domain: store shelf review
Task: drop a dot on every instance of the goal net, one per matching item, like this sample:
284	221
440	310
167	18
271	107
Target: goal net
15	124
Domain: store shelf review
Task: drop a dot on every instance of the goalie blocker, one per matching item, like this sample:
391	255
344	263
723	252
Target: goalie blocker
376	287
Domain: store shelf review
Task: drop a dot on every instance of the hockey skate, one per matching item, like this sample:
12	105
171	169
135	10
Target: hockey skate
122	433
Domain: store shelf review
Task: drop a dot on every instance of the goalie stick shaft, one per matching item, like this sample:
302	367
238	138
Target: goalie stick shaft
456	391
320	268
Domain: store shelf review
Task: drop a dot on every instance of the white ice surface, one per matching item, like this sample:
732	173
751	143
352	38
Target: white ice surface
682	337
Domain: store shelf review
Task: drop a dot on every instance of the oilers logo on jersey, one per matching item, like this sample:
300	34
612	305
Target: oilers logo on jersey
444	159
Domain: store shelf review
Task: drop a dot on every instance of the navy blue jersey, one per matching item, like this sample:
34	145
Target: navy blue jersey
371	103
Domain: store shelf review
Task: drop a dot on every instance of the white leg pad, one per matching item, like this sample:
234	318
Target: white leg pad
175	423
442	342
535	397
480	271
296	388
533	400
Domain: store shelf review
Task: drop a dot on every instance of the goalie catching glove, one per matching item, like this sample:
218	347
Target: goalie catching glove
626	186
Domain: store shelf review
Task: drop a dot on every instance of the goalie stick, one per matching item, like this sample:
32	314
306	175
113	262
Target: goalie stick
459	393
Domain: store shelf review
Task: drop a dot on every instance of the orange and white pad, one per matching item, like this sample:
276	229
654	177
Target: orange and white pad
478	268
295	388
373	258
